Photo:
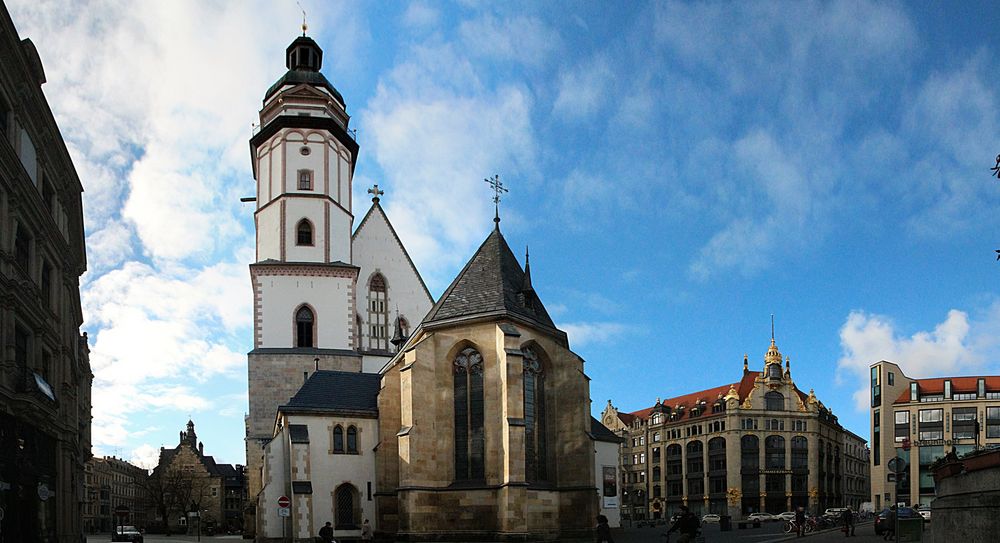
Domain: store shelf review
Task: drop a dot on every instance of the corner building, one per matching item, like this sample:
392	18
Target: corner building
921	420
759	444
45	375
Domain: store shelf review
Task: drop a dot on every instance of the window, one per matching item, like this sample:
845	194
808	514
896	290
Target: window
655	455
534	417
892	378
338	439
22	248
674	463
947	388
993	422
799	425
717	454
914	392
378	313
470	446
749	424
352	439
931	424
656	436
774	401
304	233
932	398
21	340
4	119
656	473
774	424
963	423
774	452
902	425
305	179
656	418
980	387
876	442
46	284
305	323
800	452
750	452
964	396
346	498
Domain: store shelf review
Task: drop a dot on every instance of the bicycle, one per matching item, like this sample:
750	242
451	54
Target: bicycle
792	526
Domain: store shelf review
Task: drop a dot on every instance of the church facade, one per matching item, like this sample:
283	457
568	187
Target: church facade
464	419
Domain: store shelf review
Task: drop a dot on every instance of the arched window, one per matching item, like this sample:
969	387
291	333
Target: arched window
304	233
346	498
338	439
774	401
750	452
378	314
470	449
352	439
717	454
305	324
695	457
534	417
800	452
774	452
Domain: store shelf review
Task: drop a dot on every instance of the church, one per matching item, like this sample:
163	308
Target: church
371	405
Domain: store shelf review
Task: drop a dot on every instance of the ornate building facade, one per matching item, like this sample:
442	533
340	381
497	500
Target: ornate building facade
45	380
113	485
759	444
921	420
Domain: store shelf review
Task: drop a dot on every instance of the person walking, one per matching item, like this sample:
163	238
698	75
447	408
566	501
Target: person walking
326	533
687	524
366	531
848	517
890	524
800	521
603	530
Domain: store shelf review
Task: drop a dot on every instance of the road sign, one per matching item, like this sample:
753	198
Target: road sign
897	465
284	512
284	502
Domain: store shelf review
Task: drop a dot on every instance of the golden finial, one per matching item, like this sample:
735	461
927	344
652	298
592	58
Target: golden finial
304	25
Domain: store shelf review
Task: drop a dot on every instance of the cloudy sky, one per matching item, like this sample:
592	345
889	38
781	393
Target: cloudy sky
680	172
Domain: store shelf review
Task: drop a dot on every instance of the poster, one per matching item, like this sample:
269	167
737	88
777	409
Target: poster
610	489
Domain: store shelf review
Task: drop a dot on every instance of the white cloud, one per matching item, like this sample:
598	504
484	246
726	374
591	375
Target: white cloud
583	90
522	39
955	346
420	15
589	333
145	456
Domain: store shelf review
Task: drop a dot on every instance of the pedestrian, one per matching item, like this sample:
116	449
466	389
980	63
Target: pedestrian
848	517
326	533
687	524
800	521
603	530
890	524
366	531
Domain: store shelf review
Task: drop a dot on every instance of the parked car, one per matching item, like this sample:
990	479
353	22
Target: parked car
787	515
126	533
834	512
762	517
711	517
903	512
926	513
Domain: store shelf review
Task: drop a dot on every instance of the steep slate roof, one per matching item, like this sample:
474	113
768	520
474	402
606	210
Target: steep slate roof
333	391
491	284
601	432
935	385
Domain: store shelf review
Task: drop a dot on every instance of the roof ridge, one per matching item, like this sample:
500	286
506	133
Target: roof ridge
399	242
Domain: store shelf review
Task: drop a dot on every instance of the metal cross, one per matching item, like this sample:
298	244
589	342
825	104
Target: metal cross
498	189
375	192
996	169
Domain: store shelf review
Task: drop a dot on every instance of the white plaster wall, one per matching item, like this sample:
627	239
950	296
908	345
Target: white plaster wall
376	249
372	363
276	485
269	233
328	471
606	454
297	209
329	298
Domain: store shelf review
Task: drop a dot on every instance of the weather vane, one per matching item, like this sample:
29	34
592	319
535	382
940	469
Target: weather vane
498	189
996	171
375	192
304	26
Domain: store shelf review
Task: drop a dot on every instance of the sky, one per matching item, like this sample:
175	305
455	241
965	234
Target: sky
680	171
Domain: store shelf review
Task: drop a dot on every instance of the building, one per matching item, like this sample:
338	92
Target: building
114	491
327	297
46	379
607	451
759	444
919	421
187	484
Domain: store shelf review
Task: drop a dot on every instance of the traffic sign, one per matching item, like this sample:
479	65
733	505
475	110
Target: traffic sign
284	512
284	502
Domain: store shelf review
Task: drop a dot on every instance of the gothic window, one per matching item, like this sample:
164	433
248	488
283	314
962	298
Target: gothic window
304	233
774	401
352	439
22	248
534	417
305	179
347	505
305	324
470	449
338	439
378	314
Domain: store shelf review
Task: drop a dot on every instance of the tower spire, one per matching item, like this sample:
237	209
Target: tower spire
527	272
772	328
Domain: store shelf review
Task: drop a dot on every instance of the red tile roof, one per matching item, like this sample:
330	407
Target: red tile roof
935	385
688	401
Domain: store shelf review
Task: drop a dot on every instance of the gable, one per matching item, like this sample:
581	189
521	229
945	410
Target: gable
375	246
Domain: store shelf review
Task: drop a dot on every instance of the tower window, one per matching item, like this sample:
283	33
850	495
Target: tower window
304	233
378	314
305	177
304	325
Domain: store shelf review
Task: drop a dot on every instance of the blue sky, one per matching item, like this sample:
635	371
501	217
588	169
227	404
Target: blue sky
681	171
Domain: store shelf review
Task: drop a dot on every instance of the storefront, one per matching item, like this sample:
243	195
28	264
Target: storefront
27	482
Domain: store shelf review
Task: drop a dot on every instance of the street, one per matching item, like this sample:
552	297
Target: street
767	533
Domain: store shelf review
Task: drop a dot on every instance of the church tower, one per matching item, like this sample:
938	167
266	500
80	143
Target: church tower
325	297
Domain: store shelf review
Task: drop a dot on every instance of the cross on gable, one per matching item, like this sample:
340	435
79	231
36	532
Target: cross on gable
375	192
498	189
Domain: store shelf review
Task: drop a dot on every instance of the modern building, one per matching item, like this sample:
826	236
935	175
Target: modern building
46	378
921	420
188	491
758	444
115	495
